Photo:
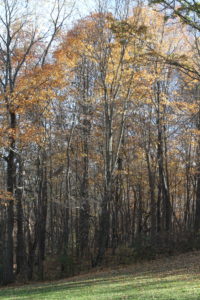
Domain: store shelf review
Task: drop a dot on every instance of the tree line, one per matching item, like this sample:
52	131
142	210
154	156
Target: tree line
99	133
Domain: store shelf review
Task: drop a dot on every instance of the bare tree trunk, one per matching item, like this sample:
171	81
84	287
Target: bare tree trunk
20	250
85	206
151	176
8	275
163	181
42	217
104	226
197	211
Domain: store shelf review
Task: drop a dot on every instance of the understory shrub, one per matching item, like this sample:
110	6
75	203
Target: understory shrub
67	265
124	255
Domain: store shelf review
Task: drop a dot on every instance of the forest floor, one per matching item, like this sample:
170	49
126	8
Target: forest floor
169	278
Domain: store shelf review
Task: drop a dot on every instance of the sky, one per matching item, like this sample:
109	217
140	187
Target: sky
40	10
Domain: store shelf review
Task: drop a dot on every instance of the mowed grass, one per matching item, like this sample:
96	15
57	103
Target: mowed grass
172	278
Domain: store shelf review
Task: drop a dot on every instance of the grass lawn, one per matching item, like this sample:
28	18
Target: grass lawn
172	278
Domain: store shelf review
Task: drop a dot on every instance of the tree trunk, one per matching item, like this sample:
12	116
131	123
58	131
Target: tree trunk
163	181
197	212
20	250
42	207
85	206
8	272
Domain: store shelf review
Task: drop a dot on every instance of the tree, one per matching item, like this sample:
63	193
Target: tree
22	47
187	11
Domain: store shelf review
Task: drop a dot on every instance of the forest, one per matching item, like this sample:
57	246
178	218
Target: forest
99	134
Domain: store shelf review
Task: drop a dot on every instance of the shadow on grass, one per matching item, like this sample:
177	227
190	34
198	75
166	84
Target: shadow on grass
132	283
41	290
115	285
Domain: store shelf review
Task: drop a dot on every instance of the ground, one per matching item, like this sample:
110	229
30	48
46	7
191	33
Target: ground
171	278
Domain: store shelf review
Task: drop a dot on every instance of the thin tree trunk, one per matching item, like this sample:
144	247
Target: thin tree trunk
197	211
42	206
20	250
8	272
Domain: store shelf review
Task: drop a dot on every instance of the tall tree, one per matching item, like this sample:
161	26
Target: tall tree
19	39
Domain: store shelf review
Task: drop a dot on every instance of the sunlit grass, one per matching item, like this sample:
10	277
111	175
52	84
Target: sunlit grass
163	283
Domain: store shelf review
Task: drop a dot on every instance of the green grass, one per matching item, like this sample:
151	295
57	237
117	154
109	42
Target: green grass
176	278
